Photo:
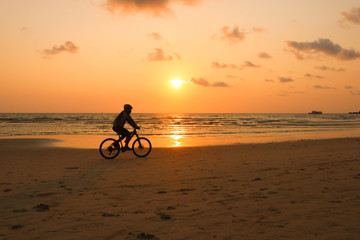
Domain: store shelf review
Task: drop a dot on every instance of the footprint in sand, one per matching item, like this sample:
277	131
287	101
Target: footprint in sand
18	226
146	236
164	216
110	215
41	207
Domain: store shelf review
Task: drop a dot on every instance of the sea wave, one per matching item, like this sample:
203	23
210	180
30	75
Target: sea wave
15	124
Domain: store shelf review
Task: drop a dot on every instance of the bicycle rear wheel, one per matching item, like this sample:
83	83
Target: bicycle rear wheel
109	148
141	147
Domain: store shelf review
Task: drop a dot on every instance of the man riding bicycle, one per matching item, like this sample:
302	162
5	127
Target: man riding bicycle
119	122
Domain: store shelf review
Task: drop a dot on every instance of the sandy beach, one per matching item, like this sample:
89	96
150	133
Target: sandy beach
306	189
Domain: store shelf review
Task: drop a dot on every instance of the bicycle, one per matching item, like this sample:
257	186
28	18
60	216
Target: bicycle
110	147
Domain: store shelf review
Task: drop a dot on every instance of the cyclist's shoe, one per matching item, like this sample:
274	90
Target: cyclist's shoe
126	149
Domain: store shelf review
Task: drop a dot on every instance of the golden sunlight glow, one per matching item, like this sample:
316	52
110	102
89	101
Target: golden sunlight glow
176	138
172	62
177	83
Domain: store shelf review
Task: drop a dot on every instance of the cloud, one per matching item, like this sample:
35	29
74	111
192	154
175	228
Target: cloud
353	16
233	66
355	93
352	90
220	84
285	79
200	81
326	68
222	65
323	87
264	55
66	47
309	75
259	29
285	93
322	45
155	36
249	64
155	7
231	76
159	55
25	31
205	83
232	35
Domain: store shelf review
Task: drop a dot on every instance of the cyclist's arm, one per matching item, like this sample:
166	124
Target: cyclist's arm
132	122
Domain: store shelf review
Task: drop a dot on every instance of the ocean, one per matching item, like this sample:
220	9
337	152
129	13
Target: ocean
191	125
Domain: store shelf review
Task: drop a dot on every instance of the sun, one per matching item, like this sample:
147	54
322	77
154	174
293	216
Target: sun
177	83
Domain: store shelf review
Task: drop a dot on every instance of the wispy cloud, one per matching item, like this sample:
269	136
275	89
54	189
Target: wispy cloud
309	75
234	77
155	7
353	91
233	66
269	80
357	93
292	92
322	45
204	83
259	29
222	65
326	68
264	55
25	31
285	79
66	47
287	93
159	55
155	36
352	16
323	87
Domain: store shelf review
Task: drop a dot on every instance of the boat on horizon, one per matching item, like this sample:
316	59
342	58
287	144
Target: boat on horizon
315	112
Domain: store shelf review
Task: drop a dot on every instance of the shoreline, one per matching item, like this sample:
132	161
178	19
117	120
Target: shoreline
170	141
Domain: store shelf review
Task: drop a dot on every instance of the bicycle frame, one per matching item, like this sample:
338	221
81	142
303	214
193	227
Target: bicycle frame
132	134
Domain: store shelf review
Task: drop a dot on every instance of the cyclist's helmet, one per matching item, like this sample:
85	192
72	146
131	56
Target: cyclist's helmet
127	106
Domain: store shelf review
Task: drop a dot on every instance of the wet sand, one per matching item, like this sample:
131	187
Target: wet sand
290	190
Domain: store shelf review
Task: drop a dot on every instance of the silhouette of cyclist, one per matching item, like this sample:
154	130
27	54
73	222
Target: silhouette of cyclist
119	122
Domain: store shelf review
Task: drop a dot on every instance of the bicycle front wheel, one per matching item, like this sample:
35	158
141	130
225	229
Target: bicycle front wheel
109	148
141	147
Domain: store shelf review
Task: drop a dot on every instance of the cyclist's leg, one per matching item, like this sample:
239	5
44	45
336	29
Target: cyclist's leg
127	134
116	129
119	132
124	134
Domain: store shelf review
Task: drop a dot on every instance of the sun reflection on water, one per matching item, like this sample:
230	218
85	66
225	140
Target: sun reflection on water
177	132
177	142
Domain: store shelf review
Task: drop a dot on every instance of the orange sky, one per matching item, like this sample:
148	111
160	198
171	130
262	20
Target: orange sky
232	55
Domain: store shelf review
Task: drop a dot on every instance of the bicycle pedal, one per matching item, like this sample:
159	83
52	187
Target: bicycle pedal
126	149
